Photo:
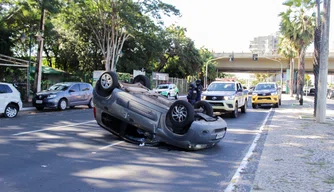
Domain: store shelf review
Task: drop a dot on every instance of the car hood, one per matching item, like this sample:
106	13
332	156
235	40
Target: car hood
160	90
47	92
218	93
265	91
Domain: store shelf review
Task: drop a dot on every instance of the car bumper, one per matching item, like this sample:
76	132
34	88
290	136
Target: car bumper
273	99
51	103
222	106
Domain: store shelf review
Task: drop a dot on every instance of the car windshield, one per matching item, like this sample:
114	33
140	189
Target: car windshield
58	87
264	86
162	87
222	87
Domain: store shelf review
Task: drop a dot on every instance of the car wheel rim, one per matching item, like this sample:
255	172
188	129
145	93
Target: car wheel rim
179	113
106	81
63	104
11	112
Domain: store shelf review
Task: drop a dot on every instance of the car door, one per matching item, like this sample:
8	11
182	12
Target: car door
3	97
74	95
84	91
240	95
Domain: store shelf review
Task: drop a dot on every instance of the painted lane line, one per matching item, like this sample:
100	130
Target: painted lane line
101	148
63	126
244	161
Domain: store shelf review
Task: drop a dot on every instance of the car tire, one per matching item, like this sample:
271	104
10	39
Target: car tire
234	114
276	105
142	79
107	82
62	104
91	103
39	108
11	111
244	108
254	106
181	114
206	107
176	96
280	102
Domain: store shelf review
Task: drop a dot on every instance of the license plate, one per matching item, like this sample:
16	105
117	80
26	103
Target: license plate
220	135
39	101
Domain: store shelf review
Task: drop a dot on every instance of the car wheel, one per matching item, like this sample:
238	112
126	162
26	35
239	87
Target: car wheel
254	106
62	105
142	79
11	111
107	83
235	112
39	108
205	107
176	96
91	103
276	105
280	102
181	114
244	108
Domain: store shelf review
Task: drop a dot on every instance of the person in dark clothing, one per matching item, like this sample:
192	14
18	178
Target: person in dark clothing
192	94
199	89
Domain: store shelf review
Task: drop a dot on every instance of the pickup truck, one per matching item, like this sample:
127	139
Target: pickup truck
226	97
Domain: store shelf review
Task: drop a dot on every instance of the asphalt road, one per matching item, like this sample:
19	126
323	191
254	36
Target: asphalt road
68	151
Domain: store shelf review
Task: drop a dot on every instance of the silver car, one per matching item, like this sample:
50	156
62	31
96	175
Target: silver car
139	115
63	95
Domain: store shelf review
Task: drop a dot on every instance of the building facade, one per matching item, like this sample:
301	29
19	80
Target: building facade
265	45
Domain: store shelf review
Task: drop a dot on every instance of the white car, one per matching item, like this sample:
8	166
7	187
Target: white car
167	90
10	100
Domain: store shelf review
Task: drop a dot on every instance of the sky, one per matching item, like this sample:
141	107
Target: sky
229	25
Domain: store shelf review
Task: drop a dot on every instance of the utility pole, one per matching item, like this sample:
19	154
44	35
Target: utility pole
323	71
316	59
38	73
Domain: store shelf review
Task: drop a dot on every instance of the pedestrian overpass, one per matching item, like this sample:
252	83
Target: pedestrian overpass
244	62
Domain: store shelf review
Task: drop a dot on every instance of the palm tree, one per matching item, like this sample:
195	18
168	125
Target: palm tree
297	25
287	49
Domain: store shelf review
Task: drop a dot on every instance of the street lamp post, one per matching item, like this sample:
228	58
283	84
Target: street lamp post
281	69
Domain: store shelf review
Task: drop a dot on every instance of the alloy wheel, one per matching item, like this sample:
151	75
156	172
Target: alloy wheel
106	81
11	112
179	113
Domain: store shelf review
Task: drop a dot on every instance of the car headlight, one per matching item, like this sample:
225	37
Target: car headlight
52	96
274	93
255	94
230	97
203	97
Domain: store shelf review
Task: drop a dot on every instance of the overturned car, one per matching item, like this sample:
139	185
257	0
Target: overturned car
139	115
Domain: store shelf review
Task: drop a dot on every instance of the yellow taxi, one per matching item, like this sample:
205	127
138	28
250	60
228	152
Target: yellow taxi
266	93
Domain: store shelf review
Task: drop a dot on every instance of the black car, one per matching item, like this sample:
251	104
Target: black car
139	115
63	95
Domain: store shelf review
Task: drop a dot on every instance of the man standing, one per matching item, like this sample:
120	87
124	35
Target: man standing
192	94
199	89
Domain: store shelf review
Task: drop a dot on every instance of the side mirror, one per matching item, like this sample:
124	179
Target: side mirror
71	91
239	90
244	87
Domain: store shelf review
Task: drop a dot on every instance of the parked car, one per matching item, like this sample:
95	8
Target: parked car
266	93
63	95
168	90
139	115
226	97
10	100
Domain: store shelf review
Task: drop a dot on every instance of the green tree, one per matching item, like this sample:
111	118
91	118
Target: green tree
298	26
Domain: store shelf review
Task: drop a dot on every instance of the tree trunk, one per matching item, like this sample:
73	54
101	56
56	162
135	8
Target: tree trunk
301	74
316	59
292	64
323	71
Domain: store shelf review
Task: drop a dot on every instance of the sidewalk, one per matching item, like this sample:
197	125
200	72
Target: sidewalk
294	153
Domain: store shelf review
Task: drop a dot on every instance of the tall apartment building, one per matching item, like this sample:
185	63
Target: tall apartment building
265	45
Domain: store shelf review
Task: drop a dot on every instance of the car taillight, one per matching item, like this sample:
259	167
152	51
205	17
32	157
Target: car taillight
94	109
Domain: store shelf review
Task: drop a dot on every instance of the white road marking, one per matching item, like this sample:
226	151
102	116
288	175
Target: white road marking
63	126
101	148
244	161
